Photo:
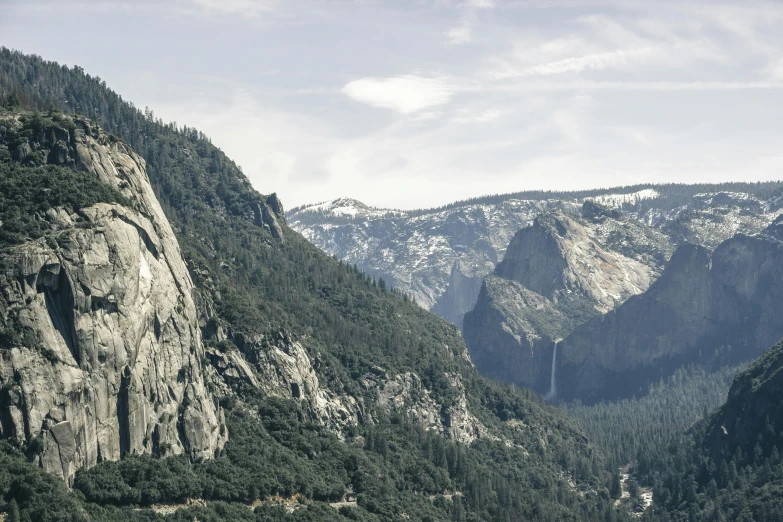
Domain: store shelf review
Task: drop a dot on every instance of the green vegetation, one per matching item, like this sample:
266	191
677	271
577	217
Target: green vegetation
395	468
729	466
353	325
631	430
701	466
29	188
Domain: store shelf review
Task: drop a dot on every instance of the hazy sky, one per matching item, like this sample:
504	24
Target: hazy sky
415	103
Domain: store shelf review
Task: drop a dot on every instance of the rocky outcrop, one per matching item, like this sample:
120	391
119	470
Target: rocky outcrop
405	393
560	254
267	217
557	274
281	366
712	308
102	352
510	333
274	203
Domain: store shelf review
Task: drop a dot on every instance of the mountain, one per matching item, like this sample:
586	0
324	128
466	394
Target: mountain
556	274
710	308
753	413
342	399
440	256
570	257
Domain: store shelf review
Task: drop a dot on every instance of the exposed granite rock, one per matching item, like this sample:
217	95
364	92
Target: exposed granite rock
556	274
404	393
416	251
282	365
285	369
714	308
265	217
460	294
109	357
510	332
561	254
439	258
276	206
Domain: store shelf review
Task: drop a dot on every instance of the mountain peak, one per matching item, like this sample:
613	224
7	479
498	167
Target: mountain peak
345	207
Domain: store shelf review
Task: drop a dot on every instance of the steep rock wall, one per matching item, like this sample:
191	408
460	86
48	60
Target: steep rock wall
711	308
110	360
557	274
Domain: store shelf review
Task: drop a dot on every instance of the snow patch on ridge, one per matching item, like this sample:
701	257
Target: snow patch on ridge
348	207
618	200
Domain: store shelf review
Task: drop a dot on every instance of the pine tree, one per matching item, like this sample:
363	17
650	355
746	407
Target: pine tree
13	511
616	490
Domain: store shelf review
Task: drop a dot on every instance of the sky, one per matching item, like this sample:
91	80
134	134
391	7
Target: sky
417	103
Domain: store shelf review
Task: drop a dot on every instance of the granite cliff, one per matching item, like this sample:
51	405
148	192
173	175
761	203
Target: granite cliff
102	354
331	383
713	308
555	275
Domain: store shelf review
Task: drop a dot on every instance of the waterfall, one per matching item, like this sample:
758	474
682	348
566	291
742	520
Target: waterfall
552	381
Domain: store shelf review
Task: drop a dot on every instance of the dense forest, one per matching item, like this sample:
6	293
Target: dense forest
728	467
631	430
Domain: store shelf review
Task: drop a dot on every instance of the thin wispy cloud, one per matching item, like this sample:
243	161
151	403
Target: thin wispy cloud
480	4
459	35
591	62
241	7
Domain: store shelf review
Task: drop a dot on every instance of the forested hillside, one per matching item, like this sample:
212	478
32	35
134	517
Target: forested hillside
385	407
728	467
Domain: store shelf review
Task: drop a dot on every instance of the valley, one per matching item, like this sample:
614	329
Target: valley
174	345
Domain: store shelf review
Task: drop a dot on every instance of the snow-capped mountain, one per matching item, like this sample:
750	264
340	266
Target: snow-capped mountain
440	256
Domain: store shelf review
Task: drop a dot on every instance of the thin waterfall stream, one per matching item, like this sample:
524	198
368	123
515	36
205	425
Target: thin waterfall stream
552	379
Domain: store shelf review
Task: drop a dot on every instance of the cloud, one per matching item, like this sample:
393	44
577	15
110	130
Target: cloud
775	69
590	62
406	94
485	116
243	7
480	4
459	35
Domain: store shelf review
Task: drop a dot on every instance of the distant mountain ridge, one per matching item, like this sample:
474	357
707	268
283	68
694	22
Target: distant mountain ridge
440	256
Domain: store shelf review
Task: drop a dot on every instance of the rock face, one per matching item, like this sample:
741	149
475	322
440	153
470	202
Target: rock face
555	275
714	308
267	214
282	365
109	360
440	256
